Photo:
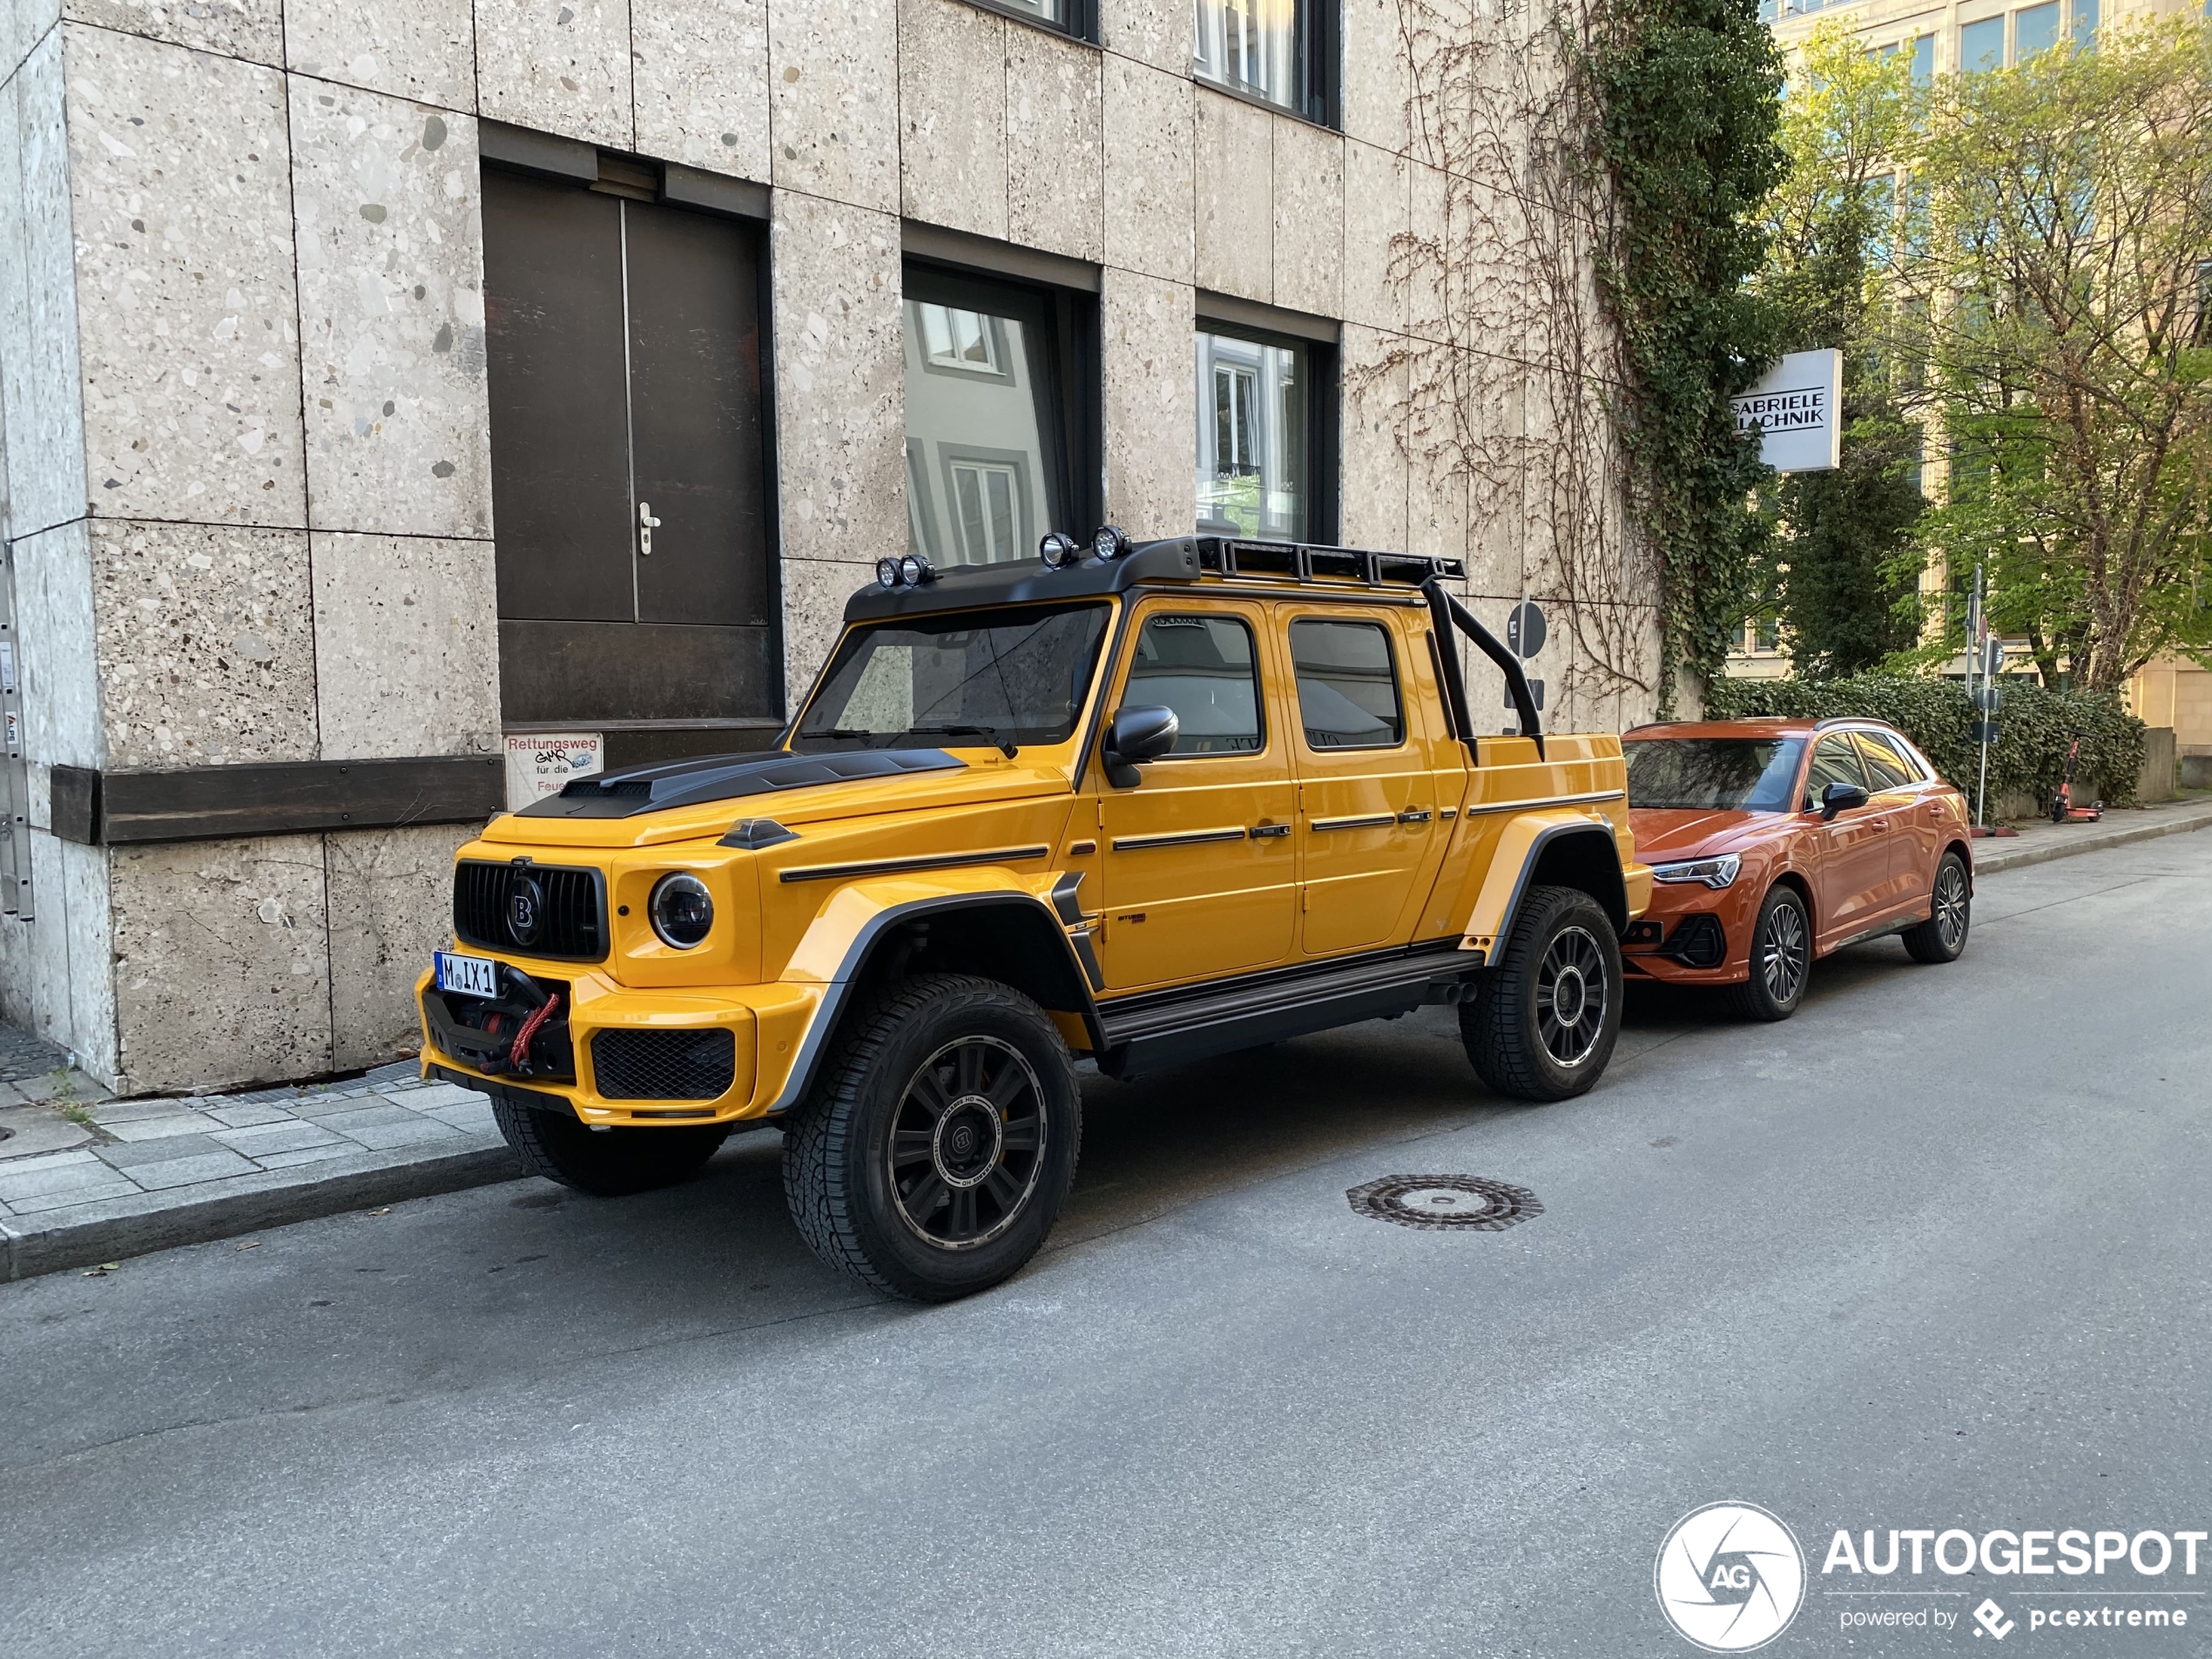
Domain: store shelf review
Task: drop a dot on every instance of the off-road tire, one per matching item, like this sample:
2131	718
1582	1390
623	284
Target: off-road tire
1499	1024
838	1149
1942	937
608	1163
1772	991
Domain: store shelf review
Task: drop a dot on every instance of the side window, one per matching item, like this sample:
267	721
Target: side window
1834	762
1347	685
1204	668
1885	767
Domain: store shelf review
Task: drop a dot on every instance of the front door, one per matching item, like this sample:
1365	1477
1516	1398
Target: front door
1910	830
1854	844
1199	865
1367	818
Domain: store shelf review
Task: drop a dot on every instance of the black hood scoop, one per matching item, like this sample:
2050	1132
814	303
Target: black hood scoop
686	783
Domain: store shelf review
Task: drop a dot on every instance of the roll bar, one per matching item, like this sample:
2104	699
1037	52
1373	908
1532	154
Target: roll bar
1447	614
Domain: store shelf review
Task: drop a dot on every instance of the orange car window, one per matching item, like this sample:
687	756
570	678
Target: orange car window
1834	762
1885	767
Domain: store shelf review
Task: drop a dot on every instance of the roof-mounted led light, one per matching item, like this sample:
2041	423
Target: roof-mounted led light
886	572
1058	549
1108	542
914	570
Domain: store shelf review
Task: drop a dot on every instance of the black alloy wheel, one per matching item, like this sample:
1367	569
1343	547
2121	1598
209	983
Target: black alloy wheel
1547	1012
933	1153
1781	958
1942	937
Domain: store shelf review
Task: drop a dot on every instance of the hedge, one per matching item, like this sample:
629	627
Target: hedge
2034	727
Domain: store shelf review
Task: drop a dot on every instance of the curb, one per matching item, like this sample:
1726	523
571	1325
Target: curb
139	1225
2092	842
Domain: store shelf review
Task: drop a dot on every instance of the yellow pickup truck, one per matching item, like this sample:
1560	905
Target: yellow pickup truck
1141	802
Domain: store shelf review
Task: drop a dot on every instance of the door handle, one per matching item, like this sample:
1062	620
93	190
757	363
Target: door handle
647	525
1265	831
1414	815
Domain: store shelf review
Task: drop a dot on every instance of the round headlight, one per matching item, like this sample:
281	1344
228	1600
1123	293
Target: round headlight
682	910
886	572
914	569
1058	550
1108	542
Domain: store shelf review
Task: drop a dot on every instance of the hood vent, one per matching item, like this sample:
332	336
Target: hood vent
687	783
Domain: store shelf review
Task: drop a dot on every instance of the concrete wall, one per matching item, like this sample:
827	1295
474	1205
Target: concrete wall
243	387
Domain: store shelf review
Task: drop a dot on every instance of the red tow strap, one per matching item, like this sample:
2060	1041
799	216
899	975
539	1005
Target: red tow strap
519	1055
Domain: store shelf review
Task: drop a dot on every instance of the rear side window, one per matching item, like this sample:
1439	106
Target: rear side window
1834	762
1347	684
1205	670
1887	767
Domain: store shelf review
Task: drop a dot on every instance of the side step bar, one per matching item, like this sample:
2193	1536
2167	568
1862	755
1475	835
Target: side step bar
1152	1033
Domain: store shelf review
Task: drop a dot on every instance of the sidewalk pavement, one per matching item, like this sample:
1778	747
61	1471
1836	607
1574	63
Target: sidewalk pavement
86	1180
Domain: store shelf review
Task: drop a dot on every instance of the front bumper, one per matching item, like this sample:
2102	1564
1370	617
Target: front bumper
669	1057
1689	946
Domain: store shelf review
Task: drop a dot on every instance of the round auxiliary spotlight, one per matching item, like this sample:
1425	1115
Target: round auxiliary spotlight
914	570
1109	541
886	572
1057	550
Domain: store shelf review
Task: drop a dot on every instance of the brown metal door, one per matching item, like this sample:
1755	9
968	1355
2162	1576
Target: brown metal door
628	466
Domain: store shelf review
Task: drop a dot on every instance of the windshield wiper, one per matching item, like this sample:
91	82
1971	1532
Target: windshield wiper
1006	745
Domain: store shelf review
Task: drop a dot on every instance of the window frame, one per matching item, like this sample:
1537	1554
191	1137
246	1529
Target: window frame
1079	23
1259	683
1324	449
1397	684
1317	60
1065	368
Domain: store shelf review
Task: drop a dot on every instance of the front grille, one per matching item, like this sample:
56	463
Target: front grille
1697	942
530	908
663	1065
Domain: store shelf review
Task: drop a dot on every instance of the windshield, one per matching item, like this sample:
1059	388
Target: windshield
1713	774
1016	675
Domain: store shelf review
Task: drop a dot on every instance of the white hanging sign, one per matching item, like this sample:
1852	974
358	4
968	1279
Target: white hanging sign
538	762
1797	406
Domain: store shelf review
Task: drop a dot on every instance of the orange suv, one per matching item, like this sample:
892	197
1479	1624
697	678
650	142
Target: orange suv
1774	842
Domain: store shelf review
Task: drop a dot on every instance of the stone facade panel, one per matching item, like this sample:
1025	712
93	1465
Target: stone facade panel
392	314
1373	474
1157	32
557	65
834	83
1377	84
1151	163
1054	144
40	376
207	643
1375	205
221	962
23	26
407	646
1308	233
702	73
57	656
814	595
953	116
1152	403
424	50
184	289
1236	169
252	30
393	891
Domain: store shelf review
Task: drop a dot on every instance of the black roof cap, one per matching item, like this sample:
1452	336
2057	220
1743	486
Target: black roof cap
1189	558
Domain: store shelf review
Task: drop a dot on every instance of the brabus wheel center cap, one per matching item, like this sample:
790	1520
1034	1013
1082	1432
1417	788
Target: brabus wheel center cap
1436	1203
966	1145
1570	992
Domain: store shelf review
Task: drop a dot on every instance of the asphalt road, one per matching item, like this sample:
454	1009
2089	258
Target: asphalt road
1932	1255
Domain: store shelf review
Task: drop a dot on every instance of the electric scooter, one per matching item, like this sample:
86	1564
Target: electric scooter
2063	811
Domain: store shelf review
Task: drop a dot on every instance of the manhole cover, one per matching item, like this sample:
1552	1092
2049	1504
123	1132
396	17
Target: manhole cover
1437	1202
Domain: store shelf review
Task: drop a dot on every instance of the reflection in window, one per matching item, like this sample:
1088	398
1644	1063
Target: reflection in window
2085	23
1202	668
976	415
1252	45
1347	689
1981	45
1043	10
1923	60
1252	439
1834	762
2034	30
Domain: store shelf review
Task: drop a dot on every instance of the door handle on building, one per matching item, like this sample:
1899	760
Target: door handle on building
647	525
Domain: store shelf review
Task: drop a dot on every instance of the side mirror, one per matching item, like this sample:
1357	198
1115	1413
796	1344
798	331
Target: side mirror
1139	733
1840	798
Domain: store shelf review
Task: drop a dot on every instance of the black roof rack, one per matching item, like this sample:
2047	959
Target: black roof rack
1189	558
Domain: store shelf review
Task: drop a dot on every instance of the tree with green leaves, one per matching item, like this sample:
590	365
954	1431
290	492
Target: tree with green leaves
1838	582
2053	263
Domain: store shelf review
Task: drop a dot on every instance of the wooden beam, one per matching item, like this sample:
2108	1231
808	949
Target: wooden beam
274	798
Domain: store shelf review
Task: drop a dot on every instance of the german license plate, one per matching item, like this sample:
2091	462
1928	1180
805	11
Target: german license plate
466	976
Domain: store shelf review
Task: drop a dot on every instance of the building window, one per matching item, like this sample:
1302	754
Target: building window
2085	24
1281	52
1981	46
2036	29
1265	438
1923	60
998	377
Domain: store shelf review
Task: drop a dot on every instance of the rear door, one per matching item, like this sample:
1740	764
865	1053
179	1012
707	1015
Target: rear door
1199	861
1367	792
1853	846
